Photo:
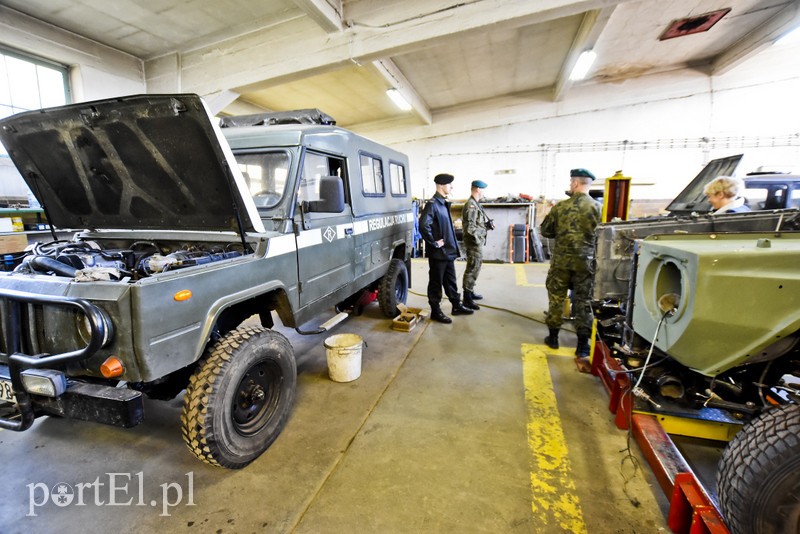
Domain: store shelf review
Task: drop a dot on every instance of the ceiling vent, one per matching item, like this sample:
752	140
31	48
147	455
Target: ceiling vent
689	25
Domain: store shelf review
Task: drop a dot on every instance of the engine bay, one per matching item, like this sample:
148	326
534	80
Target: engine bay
91	260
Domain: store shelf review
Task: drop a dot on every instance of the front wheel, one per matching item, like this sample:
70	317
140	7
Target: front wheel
238	400
758	479
394	288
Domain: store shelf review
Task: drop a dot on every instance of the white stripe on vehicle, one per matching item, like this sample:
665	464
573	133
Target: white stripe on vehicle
280	245
286	244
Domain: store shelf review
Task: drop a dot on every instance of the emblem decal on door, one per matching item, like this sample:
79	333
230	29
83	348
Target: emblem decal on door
329	234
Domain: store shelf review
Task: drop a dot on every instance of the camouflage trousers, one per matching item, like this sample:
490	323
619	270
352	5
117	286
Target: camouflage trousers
473	269
578	278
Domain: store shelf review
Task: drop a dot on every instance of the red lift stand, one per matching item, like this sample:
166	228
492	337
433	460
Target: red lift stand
691	509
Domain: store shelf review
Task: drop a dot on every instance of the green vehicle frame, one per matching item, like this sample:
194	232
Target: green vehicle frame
185	229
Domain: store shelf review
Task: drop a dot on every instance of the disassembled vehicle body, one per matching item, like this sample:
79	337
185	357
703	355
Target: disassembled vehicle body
704	312
188	230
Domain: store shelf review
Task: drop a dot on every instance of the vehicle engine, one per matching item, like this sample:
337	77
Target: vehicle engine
90	260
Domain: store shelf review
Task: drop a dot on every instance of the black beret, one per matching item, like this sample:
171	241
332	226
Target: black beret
581	173
443	179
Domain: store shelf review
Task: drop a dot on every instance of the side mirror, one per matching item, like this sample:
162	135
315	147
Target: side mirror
331	193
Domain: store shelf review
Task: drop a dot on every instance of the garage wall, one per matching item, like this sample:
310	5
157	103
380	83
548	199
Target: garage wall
660	130
96	71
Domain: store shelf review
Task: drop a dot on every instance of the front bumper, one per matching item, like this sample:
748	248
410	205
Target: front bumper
81	400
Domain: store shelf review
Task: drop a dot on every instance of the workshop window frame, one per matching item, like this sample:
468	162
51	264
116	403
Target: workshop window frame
29	82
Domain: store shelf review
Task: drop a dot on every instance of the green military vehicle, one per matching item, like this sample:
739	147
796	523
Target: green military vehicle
183	231
704	311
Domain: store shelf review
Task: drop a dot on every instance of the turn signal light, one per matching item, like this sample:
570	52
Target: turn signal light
182	295
112	367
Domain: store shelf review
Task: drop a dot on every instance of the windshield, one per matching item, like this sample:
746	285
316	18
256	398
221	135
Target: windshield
265	174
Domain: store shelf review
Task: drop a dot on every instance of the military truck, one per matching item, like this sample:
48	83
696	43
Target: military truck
183	230
704	311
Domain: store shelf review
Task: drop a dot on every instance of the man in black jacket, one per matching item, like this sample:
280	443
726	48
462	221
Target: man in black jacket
436	227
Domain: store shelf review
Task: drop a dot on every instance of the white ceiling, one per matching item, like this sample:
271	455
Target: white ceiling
341	55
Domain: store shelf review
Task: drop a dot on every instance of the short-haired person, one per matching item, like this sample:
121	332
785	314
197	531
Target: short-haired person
572	223
436	227
723	193
475	224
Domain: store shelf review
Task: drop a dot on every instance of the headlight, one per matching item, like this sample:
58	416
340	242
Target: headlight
45	382
85	328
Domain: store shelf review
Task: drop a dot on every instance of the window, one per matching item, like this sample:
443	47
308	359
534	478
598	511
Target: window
371	176
315	166
265	175
28	83
397	175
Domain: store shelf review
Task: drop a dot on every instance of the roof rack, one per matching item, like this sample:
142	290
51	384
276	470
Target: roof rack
298	116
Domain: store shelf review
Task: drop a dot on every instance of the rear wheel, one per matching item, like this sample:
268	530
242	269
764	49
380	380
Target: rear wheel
394	288
239	398
758	479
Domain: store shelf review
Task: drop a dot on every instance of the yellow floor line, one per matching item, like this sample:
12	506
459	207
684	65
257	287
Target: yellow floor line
554	500
522	278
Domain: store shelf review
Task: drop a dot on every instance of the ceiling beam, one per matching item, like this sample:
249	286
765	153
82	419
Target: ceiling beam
397	80
295	49
762	37
326	13
592	26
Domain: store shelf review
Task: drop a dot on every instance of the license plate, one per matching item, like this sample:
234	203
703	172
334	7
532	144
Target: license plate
6	393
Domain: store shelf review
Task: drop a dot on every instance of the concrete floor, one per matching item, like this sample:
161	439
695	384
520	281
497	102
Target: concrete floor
469	427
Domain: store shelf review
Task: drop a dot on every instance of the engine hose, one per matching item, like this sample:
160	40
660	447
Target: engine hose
43	264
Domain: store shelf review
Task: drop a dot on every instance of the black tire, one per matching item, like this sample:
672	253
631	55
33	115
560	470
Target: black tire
758	479
239	398
394	288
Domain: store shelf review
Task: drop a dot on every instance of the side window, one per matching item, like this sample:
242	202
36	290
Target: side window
397	175
794	201
316	166
371	176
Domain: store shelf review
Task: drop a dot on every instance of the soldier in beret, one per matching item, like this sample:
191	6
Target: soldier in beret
475	225
572	223
436	227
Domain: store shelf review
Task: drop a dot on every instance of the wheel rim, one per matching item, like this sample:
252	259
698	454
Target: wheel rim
256	397
400	289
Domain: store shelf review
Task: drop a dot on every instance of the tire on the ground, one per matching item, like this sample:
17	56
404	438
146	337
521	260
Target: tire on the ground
758	479
225	420
393	289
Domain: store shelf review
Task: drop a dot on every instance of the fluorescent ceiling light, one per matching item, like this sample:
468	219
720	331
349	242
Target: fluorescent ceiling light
398	99
789	38
583	65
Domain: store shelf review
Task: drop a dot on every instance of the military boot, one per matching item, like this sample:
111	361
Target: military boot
469	300
438	315
582	348
475	296
459	309
552	340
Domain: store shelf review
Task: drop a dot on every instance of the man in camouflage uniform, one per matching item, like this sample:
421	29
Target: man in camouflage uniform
572	223
475	224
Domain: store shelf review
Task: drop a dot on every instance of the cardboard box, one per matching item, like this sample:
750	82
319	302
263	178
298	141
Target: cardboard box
408	318
13	243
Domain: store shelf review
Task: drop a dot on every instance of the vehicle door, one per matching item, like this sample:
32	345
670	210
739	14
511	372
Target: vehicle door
325	249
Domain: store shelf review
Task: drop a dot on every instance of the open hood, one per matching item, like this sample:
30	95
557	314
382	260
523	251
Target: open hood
692	198
137	162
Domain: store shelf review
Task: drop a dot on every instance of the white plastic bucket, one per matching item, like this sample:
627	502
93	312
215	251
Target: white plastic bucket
344	357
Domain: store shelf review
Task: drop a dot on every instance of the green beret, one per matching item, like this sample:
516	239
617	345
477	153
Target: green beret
581	173
442	179
479	184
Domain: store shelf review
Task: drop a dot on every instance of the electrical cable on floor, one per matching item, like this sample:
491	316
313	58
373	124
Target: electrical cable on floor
512	312
639	392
